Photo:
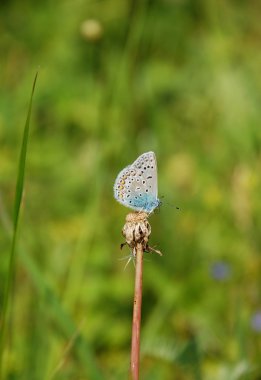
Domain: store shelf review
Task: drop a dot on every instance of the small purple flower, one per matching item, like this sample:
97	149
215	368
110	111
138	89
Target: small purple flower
220	271
256	321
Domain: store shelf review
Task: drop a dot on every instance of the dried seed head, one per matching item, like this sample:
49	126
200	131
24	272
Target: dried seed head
136	230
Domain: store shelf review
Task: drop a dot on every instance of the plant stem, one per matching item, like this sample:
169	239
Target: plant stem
135	344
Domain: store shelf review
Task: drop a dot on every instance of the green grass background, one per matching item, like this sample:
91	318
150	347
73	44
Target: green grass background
181	78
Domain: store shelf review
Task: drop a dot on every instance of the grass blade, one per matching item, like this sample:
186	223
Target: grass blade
17	207
64	322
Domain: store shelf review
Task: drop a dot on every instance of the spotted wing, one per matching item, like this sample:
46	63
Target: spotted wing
136	186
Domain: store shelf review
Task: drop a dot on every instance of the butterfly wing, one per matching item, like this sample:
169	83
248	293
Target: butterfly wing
146	165
136	186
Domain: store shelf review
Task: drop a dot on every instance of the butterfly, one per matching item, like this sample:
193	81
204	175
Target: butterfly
136	186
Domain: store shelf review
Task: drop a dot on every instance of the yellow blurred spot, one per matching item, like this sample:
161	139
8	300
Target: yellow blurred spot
187	223
66	230
212	197
91	30
181	171
244	182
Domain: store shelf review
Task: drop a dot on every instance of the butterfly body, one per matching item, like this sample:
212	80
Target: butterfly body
136	186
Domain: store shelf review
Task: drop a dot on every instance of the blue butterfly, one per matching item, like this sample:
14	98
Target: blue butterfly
136	186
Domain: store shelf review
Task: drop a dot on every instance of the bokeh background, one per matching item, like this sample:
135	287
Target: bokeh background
116	79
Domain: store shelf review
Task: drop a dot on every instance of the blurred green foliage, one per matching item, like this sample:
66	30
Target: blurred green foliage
119	78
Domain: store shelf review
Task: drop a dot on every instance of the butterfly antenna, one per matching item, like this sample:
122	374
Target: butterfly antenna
169	204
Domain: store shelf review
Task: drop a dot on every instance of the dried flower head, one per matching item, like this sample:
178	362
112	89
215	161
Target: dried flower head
137	230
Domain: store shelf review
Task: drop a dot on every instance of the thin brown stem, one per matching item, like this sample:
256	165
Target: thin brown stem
136	232
135	344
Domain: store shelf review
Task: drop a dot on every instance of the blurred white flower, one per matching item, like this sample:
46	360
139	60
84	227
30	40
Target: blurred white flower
91	30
